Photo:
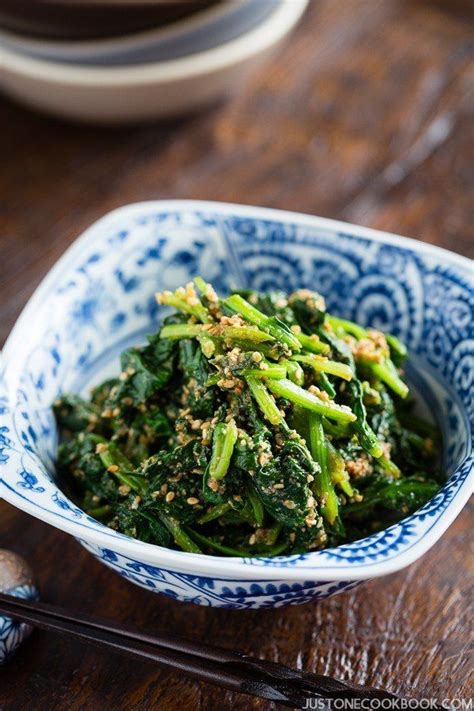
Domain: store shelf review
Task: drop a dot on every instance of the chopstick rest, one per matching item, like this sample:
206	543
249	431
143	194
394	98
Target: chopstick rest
16	579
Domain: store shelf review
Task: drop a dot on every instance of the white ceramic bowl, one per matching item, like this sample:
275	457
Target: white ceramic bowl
99	299
140	92
212	26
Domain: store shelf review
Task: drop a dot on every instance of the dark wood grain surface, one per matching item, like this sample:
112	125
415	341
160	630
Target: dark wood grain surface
363	115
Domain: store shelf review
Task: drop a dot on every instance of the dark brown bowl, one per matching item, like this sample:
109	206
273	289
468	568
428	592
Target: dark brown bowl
74	19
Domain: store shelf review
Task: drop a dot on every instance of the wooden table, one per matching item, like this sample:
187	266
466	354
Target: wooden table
362	116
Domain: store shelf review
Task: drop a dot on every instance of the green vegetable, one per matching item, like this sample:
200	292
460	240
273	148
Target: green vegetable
253	425
312	343
180	536
75	414
278	329
367	438
215	512
293	393
276	372
265	401
404	496
323	365
323	484
282	484
295	371
225	436
326	385
388	374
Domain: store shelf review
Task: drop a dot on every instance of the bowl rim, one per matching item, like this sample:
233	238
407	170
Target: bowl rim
72	50
285	567
267	33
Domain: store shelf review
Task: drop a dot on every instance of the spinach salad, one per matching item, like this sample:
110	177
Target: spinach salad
252	425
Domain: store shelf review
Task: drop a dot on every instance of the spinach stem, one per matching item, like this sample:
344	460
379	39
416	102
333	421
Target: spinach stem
323	485
214	512
312	343
270	324
256	504
342	324
196	309
180	535
224	439
264	400
273	371
111	457
323	365
293	393
388	374
295	371
176	331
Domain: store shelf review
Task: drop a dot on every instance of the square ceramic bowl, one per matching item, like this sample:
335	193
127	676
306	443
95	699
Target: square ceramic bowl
99	299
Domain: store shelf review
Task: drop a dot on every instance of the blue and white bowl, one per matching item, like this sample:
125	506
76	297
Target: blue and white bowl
99	299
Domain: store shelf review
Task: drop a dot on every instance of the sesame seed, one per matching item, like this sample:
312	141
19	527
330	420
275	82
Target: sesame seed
113	468
169	496
192	501
226	383
208	348
264	458
211	294
101	447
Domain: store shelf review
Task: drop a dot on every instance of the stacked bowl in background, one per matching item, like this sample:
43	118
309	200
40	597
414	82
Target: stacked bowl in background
170	68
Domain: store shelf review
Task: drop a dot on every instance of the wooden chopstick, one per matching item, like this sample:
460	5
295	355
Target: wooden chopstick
231	670
128	642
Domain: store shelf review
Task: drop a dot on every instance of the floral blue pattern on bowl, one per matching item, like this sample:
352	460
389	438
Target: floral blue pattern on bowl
99	299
